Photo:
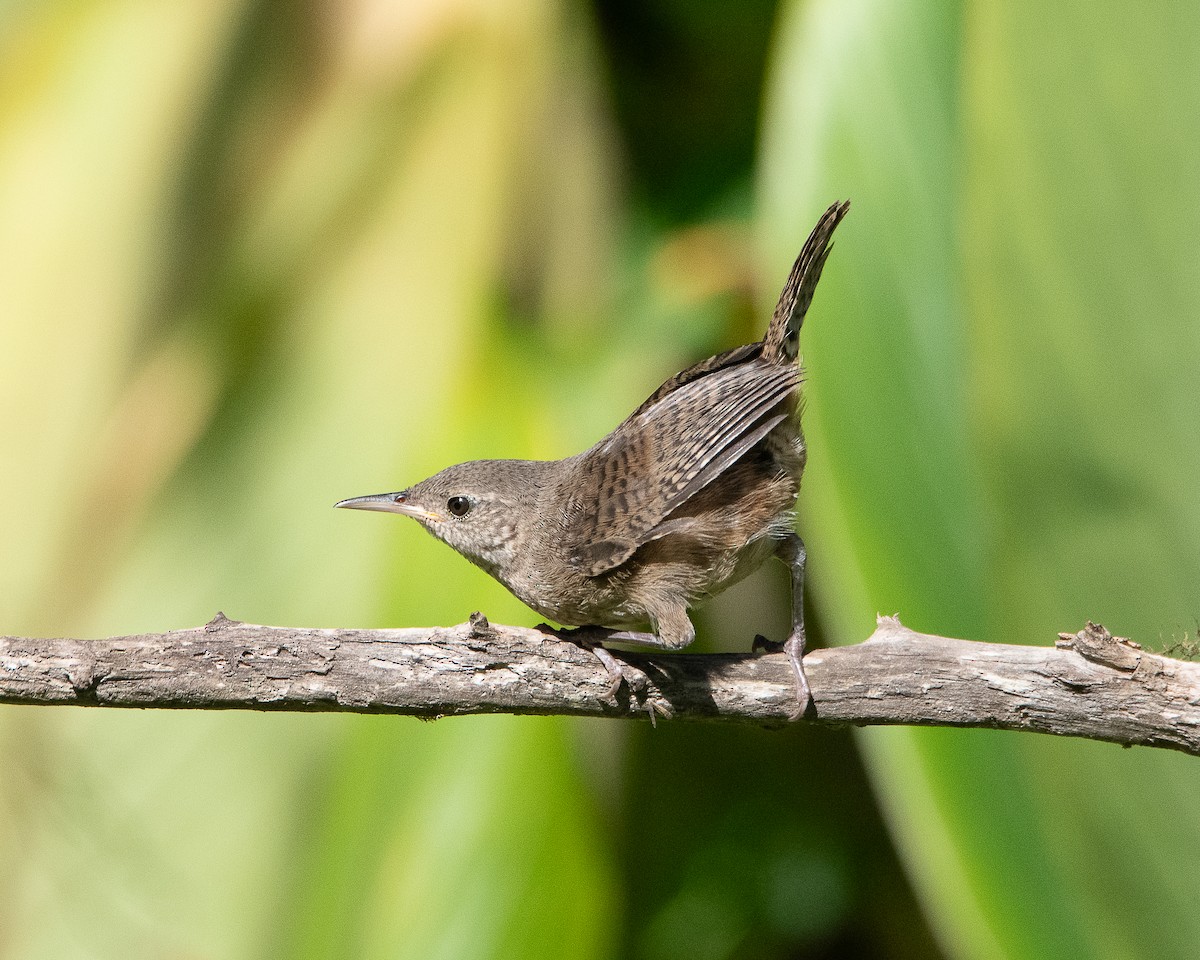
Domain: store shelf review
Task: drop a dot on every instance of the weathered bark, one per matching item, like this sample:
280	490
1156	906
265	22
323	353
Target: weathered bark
1091	685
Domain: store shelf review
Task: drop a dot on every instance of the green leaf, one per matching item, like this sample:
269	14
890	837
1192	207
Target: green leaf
1002	418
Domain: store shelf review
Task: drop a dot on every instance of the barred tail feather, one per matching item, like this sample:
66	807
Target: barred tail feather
782	342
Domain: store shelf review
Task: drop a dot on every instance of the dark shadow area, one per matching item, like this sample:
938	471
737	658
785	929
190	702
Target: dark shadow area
686	81
759	844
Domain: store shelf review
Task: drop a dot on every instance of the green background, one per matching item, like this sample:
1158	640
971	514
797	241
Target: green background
256	257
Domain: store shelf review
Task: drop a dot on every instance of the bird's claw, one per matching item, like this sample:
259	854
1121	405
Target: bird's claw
590	638
793	646
612	666
765	645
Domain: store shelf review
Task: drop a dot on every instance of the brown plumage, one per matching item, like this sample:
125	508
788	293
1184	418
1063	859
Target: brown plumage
692	492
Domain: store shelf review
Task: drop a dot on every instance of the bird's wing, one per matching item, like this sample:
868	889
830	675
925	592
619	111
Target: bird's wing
727	359
633	479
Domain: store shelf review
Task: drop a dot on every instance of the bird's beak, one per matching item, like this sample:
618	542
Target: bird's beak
388	503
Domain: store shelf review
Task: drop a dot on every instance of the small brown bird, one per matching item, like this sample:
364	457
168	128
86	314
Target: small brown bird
691	493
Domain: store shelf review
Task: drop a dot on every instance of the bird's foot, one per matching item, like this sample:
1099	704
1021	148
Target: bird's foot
592	638
612	666
793	646
765	645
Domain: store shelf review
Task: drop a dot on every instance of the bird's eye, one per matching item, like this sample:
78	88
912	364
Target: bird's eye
458	506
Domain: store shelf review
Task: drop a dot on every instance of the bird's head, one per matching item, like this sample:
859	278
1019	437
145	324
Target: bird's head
484	509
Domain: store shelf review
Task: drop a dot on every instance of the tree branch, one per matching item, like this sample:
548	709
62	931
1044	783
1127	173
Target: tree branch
1091	685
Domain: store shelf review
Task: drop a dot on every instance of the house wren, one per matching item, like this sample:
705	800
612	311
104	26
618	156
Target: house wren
691	493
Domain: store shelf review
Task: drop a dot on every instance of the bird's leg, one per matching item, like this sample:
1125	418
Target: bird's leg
791	551
629	637
672	631
591	638
617	671
612	666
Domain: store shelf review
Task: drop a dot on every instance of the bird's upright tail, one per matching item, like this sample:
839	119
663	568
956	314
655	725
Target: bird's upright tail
782	342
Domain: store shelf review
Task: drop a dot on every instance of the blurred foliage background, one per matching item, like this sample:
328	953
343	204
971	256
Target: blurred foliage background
256	257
